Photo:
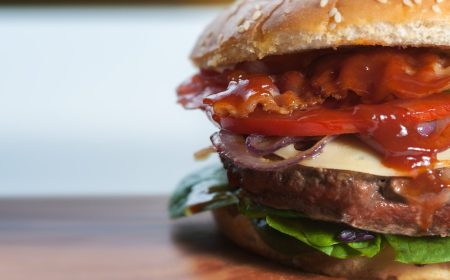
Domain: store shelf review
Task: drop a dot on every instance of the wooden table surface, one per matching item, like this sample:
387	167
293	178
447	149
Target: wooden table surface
119	238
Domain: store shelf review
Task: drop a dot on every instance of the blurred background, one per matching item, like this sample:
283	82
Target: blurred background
87	101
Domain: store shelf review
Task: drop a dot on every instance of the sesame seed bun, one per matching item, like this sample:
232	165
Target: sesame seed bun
239	228
253	29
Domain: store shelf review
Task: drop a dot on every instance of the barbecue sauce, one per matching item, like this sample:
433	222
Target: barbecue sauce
363	80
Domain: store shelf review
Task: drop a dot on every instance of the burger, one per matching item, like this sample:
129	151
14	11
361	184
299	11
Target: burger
333	129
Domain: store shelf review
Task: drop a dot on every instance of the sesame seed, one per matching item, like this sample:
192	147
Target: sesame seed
418	2
402	32
408	3
220	38
257	15
436	9
338	17
383	1
244	27
439	1
333	12
323	3
247	25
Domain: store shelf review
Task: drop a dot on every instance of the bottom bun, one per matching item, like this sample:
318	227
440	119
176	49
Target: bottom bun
240	229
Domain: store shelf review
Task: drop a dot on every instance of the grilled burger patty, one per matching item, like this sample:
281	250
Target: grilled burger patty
361	200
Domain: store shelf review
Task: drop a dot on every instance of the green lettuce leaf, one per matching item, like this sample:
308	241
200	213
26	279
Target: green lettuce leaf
200	191
278	241
420	250
208	189
322	236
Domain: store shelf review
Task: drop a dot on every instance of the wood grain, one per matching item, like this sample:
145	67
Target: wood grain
119	238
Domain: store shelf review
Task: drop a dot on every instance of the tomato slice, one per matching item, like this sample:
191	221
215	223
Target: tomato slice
312	123
323	121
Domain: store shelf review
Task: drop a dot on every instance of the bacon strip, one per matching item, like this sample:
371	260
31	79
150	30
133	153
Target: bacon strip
335	79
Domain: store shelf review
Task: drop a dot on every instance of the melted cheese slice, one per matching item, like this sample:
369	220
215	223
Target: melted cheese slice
349	153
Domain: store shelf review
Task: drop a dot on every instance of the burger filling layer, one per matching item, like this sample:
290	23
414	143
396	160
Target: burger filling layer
378	113
395	100
293	232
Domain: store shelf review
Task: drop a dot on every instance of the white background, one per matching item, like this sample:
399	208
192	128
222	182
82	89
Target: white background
87	102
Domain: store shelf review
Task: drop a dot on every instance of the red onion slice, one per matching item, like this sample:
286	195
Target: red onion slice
233	147
354	235
425	129
265	145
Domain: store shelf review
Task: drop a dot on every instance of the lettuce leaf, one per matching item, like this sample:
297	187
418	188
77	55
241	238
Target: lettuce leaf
208	189
203	190
420	250
322	236
278	241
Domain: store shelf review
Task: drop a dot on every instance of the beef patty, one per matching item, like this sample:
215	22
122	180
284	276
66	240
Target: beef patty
361	200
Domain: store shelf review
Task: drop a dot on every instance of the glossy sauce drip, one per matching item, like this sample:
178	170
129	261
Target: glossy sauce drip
406	143
370	76
192	92
378	76
244	94
364	81
427	192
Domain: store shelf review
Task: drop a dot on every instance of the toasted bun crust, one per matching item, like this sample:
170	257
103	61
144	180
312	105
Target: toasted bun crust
238	228
253	29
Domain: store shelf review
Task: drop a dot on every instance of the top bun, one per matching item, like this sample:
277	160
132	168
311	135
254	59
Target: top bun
253	29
